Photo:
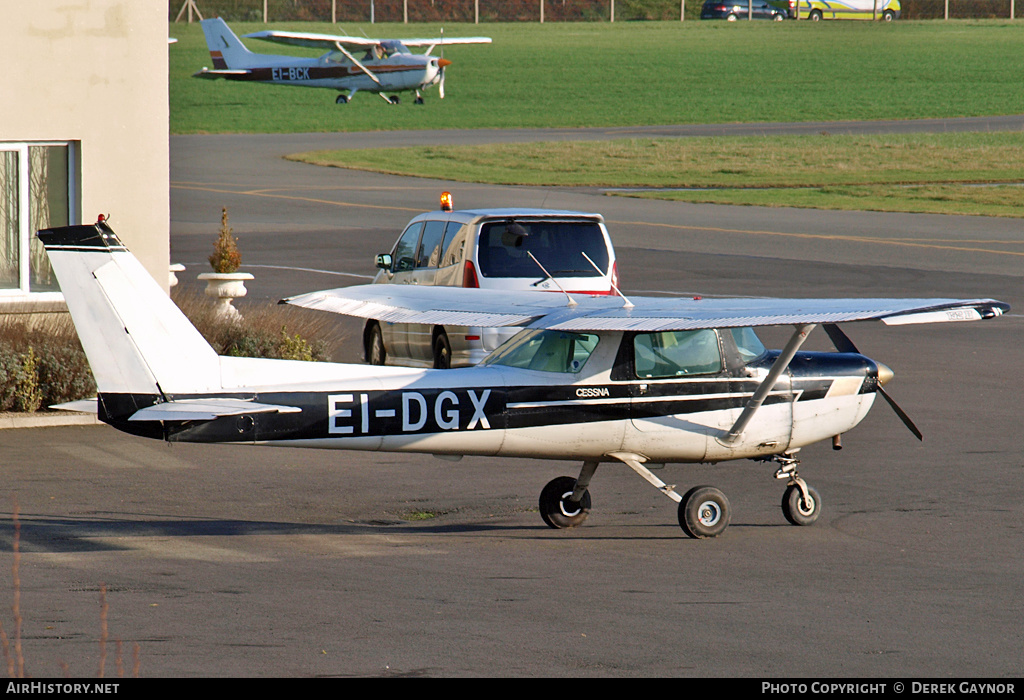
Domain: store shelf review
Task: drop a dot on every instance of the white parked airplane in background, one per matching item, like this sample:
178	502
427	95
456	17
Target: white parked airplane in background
596	379
382	66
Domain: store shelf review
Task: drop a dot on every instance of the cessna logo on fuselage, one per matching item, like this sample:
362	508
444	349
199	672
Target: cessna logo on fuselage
363	414
589	392
289	73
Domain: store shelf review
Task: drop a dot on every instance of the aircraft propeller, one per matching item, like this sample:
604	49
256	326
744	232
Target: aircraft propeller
843	343
442	64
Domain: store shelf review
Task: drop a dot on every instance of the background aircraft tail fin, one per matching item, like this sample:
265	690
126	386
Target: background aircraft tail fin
136	339
226	50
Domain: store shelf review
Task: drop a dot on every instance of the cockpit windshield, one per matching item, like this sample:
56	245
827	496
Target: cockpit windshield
393	46
546	351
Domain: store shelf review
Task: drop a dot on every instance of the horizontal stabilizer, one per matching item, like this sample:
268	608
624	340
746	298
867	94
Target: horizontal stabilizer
219	73
206	409
81	406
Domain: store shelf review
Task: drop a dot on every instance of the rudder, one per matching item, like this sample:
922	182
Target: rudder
136	339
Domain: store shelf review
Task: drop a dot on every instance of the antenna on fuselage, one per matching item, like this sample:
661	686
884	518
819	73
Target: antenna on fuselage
626	303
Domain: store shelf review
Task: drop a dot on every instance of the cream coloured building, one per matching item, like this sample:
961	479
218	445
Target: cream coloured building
83	132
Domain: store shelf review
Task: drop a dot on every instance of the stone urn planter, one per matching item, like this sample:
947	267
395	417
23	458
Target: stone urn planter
225	287
225	283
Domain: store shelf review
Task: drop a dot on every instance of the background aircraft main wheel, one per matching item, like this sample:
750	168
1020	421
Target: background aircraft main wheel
442	351
340	100
375	352
704	512
555	507
395	100
797	509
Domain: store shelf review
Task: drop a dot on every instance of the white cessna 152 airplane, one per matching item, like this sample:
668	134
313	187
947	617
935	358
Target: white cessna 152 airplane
593	379
386	66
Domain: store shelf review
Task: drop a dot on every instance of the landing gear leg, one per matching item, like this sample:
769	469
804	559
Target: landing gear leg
801	503
703	511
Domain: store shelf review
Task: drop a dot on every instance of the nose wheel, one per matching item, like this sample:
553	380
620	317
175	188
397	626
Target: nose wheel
801	503
800	507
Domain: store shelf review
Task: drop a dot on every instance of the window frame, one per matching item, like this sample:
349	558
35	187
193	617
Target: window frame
24	198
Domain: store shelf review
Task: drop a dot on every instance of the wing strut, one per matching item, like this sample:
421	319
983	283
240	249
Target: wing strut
355	61
780	365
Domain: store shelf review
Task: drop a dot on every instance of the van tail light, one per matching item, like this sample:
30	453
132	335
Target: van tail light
469	278
615	274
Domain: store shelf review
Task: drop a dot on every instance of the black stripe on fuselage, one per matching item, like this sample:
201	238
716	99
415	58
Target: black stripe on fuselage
354	413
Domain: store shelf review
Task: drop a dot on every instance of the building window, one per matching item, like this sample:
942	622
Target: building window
37	191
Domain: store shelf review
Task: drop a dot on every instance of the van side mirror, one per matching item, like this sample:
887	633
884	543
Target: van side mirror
384	261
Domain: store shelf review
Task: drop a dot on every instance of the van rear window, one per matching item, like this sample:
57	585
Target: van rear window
558	245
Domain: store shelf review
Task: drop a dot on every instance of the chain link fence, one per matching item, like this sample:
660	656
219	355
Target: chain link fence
517	10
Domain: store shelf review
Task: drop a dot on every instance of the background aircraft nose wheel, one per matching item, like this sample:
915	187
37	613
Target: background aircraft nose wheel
704	512
555	507
799	510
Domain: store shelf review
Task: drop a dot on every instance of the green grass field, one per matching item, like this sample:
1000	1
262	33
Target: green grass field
626	73
648	73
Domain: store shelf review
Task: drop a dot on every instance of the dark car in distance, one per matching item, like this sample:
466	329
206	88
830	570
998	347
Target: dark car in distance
733	10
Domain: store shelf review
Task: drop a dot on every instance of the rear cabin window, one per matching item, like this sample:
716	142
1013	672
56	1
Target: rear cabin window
557	245
676	354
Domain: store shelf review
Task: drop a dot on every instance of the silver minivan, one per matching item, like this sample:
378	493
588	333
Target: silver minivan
513	249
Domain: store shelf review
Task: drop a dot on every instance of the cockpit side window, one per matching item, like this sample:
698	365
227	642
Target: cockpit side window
546	351
676	353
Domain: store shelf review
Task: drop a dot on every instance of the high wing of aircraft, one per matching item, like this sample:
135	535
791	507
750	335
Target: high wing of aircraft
349	65
597	380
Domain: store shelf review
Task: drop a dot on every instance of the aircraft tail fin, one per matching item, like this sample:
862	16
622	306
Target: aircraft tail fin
137	341
226	50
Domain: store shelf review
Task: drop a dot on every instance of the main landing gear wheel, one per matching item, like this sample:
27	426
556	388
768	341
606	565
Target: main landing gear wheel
555	507
340	100
798	509
704	512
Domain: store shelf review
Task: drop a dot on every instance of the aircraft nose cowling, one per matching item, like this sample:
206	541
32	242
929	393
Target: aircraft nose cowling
885	374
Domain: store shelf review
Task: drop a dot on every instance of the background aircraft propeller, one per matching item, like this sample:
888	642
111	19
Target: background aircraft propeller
843	343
